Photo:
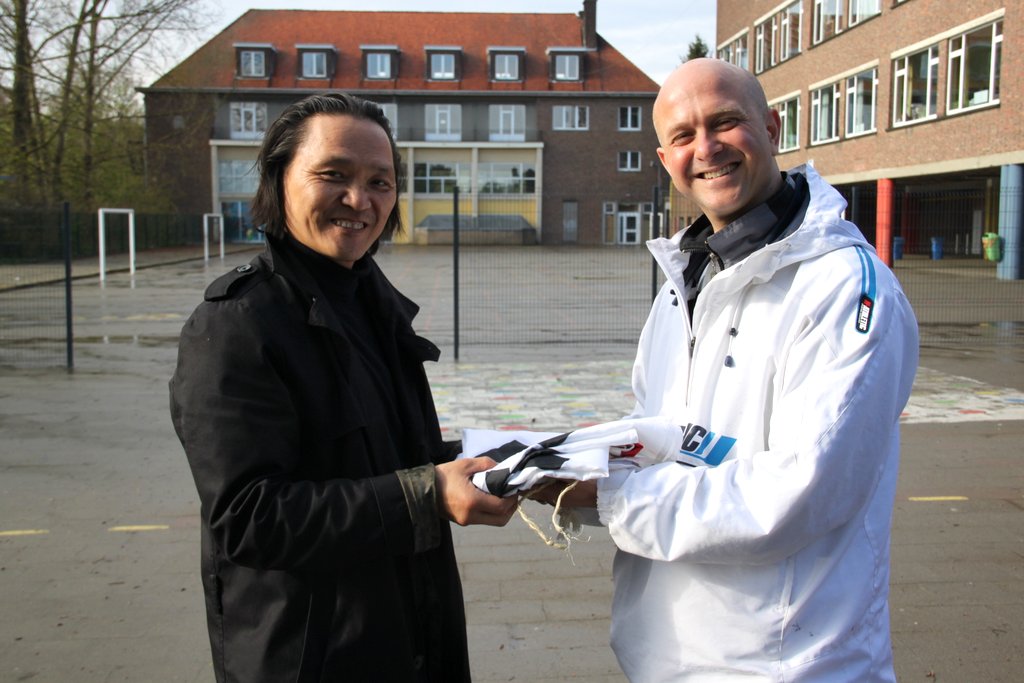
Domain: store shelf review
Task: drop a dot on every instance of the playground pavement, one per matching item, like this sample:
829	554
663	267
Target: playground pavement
99	517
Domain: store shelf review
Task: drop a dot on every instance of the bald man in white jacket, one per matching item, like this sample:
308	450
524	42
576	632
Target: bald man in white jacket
787	351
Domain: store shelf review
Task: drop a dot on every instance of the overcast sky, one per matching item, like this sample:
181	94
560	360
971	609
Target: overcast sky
653	34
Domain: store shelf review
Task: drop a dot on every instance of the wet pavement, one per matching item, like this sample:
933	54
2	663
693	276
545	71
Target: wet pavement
99	538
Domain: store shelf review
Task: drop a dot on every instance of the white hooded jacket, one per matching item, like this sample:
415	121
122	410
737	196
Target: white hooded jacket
769	559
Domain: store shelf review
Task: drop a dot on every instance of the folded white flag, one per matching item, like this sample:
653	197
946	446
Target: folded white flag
524	458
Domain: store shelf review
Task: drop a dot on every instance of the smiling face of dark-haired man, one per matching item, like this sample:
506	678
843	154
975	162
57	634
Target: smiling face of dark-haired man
340	186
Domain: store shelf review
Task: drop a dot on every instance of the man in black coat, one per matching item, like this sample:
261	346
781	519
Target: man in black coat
305	413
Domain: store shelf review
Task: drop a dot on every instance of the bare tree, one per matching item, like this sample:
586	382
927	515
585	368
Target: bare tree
63	68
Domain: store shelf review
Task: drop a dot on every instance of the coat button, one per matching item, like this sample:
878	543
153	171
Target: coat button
244	269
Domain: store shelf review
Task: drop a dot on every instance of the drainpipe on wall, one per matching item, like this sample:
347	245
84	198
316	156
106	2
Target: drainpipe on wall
883	221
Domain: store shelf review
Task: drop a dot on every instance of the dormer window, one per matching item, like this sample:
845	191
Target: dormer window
254	60
566	64
506	63
380	62
443	63
316	61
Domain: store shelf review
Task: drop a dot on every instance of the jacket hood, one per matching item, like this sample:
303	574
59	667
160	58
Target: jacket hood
823	229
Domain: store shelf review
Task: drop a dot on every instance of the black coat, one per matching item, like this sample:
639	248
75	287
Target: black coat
308	561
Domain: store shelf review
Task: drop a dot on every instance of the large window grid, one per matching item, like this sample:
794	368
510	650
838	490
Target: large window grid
629	161
825	114
440	177
570	117
505	66
378	65
567	67
442	66
974	65
506	178
861	94
314	64
915	87
237	177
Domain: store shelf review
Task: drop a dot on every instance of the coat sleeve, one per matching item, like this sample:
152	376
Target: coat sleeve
831	416
237	415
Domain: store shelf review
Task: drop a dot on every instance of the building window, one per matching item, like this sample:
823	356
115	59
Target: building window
825	114
440	177
252	63
248	120
629	161
629	118
507	122
789	114
863	9
443	122
861	91
380	65
915	86
314	64
505	66
827	20
570	117
567	67
792	28
736	52
237	177
760	48
442	66
506	178
974	64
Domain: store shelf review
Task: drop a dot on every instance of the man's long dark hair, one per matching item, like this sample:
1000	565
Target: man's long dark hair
286	134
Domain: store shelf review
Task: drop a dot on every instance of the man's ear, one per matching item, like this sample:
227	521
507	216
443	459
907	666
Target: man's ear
773	124
661	157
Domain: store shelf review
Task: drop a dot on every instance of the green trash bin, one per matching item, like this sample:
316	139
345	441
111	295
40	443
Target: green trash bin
991	243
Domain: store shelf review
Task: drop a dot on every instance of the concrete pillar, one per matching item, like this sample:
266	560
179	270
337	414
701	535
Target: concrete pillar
883	220
1011	225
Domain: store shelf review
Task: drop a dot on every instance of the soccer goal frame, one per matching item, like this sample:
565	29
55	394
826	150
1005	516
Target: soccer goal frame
102	215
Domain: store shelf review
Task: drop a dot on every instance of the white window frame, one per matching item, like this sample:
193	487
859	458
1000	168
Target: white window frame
633	117
817	115
252	64
861	10
506	122
860	116
506	66
314	64
789	109
789	30
630	161
957	99
760	48
570	117
443	122
567	67
442	66
904	111
379	65
819	32
248	120
441	184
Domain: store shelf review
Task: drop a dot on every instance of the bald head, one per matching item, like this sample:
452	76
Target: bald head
705	74
717	138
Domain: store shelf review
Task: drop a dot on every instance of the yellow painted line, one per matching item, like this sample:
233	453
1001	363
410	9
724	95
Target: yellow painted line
25	532
936	499
141	527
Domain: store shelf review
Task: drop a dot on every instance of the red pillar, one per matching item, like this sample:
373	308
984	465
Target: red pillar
883	221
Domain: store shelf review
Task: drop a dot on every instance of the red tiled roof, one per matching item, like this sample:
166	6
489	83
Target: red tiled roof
212	66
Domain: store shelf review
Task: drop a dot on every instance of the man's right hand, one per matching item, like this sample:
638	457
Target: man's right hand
463	503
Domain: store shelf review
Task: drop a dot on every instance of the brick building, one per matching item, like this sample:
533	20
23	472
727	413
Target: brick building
917	100
542	124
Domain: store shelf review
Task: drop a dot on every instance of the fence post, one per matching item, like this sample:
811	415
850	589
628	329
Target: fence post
655	234
455	267
69	333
